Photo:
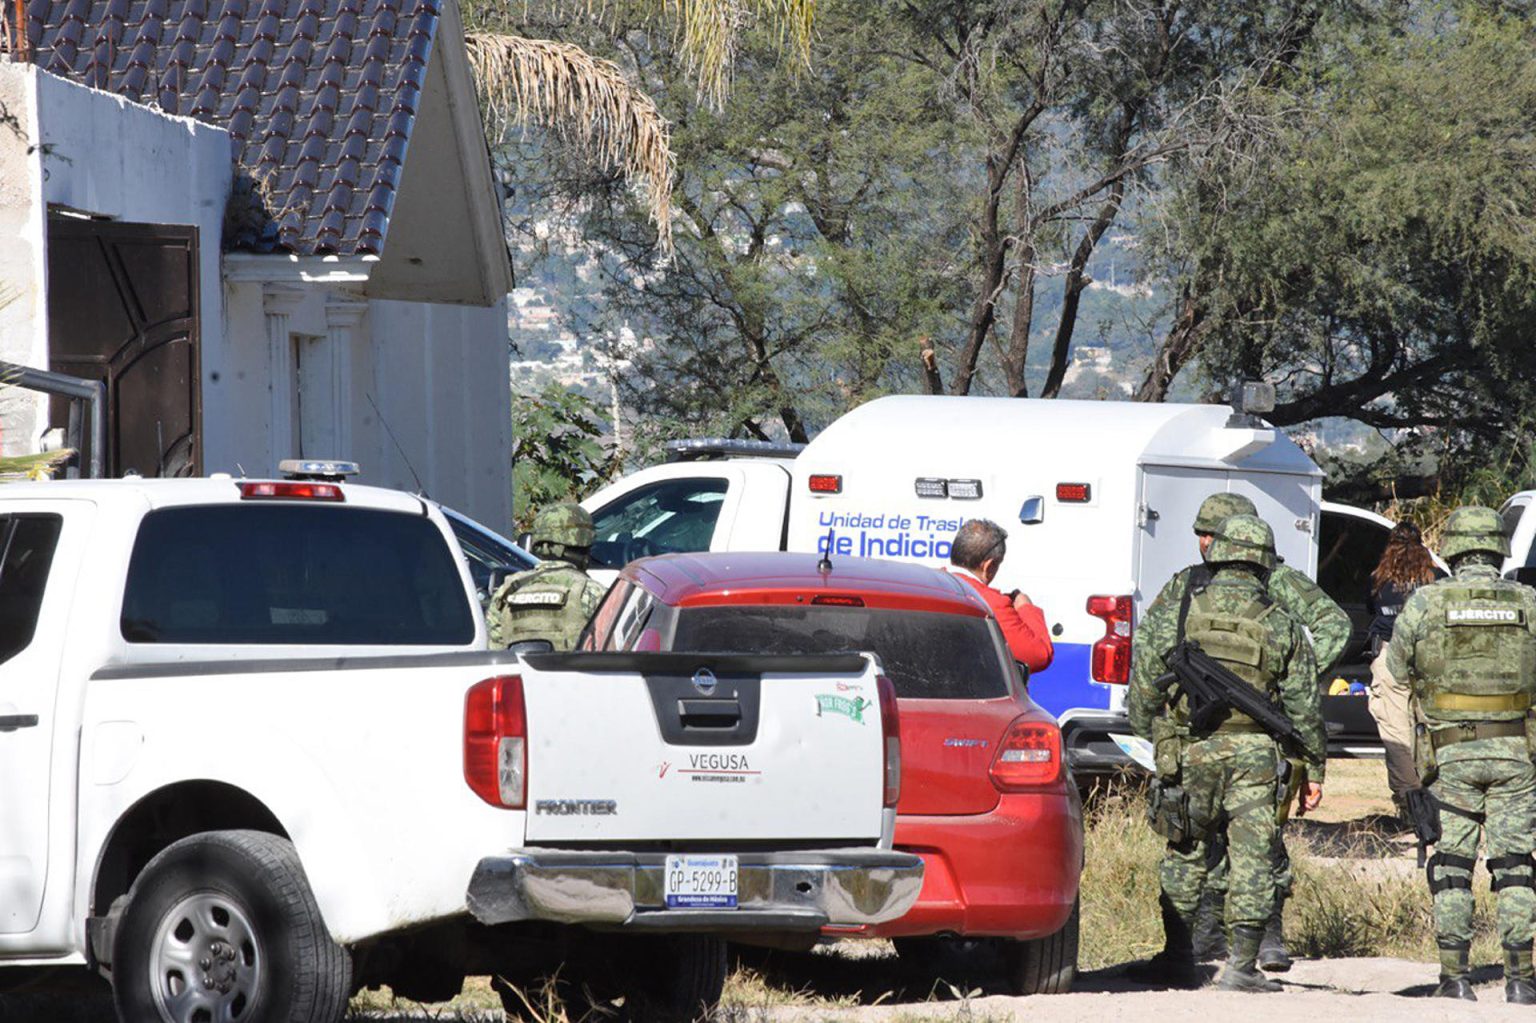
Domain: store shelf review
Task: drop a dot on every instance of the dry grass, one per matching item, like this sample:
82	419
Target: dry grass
1357	890
1119	894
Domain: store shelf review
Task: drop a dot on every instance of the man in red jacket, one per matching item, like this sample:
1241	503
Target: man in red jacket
975	556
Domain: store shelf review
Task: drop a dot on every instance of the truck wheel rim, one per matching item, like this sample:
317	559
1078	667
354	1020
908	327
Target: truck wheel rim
206	964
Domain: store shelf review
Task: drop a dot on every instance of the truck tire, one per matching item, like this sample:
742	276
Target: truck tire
676	979
1044	966
223	925
665	978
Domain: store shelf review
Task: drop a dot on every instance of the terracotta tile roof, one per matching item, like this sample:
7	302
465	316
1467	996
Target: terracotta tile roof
319	95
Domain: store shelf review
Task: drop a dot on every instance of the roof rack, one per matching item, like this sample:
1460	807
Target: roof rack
701	449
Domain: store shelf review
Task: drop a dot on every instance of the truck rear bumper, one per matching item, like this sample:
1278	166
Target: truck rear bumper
785	891
1086	735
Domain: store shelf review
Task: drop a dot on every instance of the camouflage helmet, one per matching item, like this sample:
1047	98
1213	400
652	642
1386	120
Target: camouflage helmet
1473	528
564	526
1243	538
1217	508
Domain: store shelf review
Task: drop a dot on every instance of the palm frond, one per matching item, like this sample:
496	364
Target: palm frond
585	100
709	32
33	467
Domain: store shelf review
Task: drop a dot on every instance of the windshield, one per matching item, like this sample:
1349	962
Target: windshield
674	516
925	654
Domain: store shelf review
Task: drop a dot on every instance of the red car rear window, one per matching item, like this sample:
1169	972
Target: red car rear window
925	654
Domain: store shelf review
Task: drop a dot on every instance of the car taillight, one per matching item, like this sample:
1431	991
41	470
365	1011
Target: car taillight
496	742
890	725
1029	755
1112	654
290	491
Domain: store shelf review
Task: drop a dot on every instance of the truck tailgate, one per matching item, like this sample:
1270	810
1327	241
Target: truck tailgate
703	747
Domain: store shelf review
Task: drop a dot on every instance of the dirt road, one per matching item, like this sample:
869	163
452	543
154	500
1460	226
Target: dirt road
1357	990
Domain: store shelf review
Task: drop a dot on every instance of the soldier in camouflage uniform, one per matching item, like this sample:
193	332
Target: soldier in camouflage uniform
1465	650
553	600
1232	772
1330	629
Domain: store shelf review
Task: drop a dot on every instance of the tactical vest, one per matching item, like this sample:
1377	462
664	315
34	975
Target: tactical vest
1477	658
1236	637
541	603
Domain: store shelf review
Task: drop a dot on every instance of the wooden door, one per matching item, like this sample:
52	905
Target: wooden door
123	308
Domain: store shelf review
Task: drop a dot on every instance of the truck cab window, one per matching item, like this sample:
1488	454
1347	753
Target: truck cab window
27	543
298	574
670	517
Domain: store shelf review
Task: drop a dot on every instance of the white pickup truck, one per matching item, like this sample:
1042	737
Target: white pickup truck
254	756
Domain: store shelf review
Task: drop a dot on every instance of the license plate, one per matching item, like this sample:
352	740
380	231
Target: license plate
701	882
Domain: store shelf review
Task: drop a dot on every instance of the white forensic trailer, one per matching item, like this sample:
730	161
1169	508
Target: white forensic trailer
1098	499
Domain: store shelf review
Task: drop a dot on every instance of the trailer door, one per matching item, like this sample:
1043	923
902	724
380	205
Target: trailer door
1289	503
1170	497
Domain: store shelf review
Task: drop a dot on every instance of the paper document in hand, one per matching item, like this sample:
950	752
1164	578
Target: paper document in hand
1139	750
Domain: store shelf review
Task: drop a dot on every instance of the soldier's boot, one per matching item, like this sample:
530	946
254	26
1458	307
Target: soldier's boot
1274	957
1241	972
1210	932
1455	980
1519	978
1175	965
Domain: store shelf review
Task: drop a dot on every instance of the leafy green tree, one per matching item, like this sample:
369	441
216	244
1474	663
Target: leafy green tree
1378	257
813	228
559	452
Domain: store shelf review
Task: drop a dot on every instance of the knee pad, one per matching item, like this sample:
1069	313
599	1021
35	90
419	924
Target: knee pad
1519	871
1438	882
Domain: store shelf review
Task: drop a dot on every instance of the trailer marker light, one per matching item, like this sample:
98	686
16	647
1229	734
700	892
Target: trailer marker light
826	484
929	486
965	490
1074	493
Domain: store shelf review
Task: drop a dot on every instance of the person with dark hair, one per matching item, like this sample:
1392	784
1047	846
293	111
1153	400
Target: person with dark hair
975	556
1405	565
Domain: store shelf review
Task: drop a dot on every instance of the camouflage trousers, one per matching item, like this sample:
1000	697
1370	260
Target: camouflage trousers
1218	865
1504	790
1230	779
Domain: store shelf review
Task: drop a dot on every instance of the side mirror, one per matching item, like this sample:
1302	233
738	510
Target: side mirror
1023	673
1033	511
525	541
532	646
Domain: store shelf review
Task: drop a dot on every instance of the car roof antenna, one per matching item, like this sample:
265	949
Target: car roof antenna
421	490
825	564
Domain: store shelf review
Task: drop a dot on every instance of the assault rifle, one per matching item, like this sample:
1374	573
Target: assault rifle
1213	691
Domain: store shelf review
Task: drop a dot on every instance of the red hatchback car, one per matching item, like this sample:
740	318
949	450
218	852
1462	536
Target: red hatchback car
986	799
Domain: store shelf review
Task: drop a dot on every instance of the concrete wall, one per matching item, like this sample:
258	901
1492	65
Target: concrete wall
22	304
96	153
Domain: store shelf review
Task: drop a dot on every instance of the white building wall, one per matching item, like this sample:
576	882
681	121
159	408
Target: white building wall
443	377
420	390
97	153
